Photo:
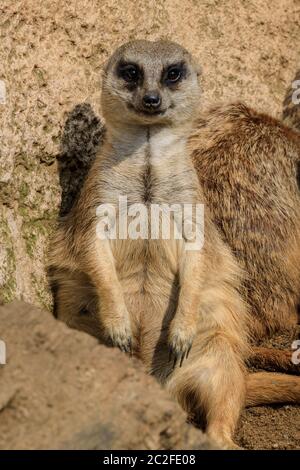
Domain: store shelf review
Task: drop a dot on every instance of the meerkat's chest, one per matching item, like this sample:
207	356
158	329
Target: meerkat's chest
147	193
158	171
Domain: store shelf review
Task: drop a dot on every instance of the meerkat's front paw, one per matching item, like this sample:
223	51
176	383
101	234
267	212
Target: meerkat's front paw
121	337
118	329
180	342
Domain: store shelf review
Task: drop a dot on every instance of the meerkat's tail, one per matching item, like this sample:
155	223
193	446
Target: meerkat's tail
263	388
291	104
273	360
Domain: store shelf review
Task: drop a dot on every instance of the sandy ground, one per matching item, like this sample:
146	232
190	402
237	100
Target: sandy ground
272	427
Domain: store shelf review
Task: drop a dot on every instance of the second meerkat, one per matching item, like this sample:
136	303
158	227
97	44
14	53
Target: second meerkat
154	295
248	166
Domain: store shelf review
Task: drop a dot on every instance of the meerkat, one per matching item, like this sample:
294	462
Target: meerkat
248	165
178	310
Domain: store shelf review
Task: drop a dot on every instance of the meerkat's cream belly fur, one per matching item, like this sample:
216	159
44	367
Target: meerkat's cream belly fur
148	269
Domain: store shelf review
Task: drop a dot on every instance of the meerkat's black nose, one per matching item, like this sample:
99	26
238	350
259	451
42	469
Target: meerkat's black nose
151	100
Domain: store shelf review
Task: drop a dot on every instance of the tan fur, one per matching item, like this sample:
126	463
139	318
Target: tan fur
279	360
264	388
247	164
154	293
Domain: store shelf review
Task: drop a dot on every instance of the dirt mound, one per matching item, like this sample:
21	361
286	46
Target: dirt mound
60	389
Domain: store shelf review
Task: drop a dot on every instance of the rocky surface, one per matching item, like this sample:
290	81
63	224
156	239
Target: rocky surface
51	56
60	389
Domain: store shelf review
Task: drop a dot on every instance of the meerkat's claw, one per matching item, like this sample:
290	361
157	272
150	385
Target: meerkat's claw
123	343
126	348
173	357
175	361
182	359
188	351
179	355
129	347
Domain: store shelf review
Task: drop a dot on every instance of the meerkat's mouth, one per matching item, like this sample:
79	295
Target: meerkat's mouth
144	112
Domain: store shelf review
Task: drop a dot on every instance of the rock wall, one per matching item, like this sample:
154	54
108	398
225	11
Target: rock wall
51	55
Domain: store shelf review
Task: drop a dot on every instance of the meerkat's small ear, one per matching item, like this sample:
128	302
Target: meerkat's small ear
198	68
104	66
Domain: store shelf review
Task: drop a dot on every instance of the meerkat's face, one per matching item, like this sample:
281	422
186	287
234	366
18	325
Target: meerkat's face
150	83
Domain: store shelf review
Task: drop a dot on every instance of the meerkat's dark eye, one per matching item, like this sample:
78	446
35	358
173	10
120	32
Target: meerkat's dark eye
129	72
174	74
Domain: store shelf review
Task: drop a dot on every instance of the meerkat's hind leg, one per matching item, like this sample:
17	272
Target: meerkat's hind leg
212	383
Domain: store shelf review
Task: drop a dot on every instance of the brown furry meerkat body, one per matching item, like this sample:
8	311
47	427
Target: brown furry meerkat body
248	166
155	295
